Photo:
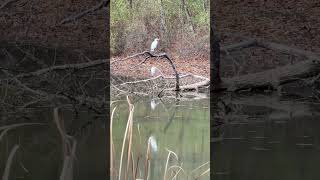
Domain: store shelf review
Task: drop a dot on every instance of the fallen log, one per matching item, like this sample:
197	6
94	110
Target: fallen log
151	55
293	108
195	86
271	78
287	49
237	46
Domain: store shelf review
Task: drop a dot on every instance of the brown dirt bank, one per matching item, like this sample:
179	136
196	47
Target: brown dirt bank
198	65
38	21
294	23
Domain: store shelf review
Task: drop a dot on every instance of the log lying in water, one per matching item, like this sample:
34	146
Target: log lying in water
272	78
293	108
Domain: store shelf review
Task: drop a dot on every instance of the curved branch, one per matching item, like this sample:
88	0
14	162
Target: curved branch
151	55
63	67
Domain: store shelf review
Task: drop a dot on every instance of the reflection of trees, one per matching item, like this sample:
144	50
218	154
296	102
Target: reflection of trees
219	110
176	105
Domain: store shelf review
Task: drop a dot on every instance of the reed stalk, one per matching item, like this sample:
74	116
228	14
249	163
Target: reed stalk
9	162
129	123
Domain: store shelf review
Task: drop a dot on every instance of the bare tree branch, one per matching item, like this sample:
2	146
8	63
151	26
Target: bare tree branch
74	17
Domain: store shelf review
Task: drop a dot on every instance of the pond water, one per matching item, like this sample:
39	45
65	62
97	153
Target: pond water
40	152
179	126
182	127
267	137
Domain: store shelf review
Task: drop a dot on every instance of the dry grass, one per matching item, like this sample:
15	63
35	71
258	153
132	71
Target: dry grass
9	162
69	145
13	151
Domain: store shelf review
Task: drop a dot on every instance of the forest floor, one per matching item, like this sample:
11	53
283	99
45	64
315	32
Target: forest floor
290	23
197	64
39	22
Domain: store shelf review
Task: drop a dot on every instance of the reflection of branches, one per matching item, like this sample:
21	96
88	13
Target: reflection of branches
68	147
172	116
154	84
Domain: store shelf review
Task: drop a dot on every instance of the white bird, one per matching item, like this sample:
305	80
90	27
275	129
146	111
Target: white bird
153	143
154	104
154	70
154	44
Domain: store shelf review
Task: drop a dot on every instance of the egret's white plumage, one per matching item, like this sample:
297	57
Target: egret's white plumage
154	44
153	104
153	70
153	143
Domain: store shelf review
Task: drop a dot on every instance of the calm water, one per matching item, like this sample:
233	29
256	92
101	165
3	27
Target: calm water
40	155
182	127
267	137
261	137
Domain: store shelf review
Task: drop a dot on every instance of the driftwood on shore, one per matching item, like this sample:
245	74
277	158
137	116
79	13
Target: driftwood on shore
273	78
148	55
204	82
270	79
26	83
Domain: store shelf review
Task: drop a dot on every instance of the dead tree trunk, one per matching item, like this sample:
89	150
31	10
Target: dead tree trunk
187	16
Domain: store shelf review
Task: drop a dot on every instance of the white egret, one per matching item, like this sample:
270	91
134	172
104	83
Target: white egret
154	104
153	144
154	44
153	71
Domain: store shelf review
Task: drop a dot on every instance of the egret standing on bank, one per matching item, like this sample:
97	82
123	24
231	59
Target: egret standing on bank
154	44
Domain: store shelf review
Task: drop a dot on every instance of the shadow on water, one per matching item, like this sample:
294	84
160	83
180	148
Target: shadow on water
266	137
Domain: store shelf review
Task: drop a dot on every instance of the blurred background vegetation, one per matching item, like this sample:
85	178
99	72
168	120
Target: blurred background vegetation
182	26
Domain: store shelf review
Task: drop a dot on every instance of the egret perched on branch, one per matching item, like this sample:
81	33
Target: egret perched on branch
154	44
